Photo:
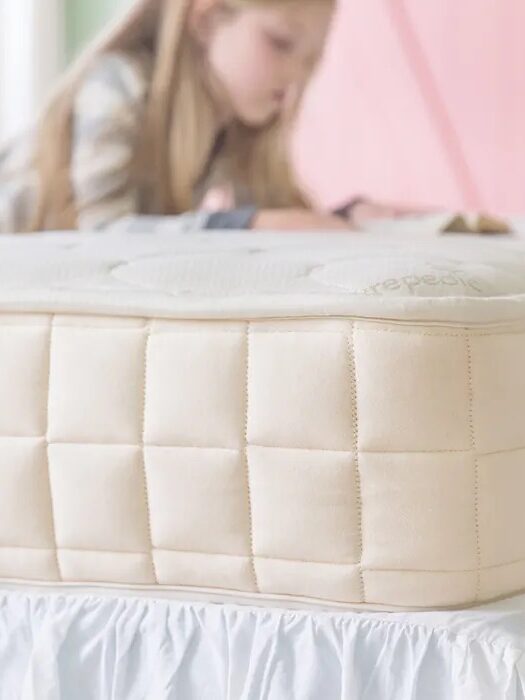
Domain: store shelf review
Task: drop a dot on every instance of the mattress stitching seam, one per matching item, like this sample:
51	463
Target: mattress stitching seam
50	483
404	330
476	466
350	341
82	443
263	557
147	328
246	456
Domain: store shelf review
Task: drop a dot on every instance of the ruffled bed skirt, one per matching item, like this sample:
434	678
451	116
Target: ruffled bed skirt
79	647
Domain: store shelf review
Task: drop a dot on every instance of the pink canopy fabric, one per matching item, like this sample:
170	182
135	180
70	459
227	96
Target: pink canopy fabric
421	103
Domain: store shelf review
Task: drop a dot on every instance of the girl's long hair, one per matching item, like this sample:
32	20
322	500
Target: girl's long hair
180	125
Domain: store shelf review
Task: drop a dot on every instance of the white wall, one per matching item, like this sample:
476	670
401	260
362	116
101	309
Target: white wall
31	57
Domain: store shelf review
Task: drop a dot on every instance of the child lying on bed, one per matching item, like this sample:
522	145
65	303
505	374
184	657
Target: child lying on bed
181	97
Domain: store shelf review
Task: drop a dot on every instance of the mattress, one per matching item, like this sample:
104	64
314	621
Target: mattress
330	418
96	644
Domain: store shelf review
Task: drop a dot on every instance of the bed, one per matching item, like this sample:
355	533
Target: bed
299	455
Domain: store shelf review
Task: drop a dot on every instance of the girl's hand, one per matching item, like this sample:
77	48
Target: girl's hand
365	211
297	220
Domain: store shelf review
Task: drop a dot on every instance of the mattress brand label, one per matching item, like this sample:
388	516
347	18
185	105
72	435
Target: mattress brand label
414	283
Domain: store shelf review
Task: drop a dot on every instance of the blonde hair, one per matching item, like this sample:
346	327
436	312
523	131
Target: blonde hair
178	112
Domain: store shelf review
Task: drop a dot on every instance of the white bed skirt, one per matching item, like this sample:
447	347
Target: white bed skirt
101	647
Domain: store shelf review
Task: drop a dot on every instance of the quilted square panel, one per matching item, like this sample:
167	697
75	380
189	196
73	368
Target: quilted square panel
28	564
412	518
498	387
196	386
96	384
495	579
412	389
204	571
198	500
419	588
24	369
25	498
501	511
99	566
305	505
99	498
301	389
303	579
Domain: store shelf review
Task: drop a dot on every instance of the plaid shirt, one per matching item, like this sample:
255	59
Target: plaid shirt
107	117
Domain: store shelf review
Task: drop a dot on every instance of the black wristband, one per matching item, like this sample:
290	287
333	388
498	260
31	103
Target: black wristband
238	219
345	212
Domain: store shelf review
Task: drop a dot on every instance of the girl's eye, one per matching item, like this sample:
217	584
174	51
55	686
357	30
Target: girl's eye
280	43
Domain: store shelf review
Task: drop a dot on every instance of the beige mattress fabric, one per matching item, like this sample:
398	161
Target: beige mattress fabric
341	459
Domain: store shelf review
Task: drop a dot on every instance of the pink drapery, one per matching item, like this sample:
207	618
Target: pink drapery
422	103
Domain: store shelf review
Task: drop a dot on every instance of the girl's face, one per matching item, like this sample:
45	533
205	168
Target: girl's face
261	56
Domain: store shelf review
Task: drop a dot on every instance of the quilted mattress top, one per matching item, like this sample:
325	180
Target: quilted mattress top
404	272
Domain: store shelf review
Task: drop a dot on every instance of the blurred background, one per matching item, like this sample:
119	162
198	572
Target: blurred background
417	102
